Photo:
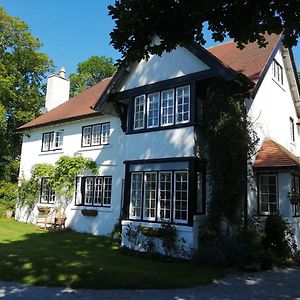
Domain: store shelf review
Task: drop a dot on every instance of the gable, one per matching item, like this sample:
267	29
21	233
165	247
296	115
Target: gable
176	63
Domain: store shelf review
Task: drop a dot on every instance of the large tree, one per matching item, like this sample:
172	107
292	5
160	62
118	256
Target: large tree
90	72
22	70
181	22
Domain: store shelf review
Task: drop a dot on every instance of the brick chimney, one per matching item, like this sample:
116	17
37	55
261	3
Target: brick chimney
58	89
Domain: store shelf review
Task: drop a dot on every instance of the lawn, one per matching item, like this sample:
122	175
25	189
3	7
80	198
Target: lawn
67	258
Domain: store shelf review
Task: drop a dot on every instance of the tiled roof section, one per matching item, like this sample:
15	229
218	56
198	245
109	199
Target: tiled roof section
274	155
250	61
76	107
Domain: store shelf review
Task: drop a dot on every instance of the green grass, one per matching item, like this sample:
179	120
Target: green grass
67	258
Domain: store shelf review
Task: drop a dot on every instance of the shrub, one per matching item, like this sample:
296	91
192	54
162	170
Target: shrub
8	195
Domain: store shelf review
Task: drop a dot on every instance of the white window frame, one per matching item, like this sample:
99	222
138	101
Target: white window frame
95	135
47	192
131	206
159	208
153	99
143	99
52	140
167	107
268	212
150	208
188	103
105	133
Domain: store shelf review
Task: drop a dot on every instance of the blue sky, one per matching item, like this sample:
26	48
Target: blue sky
73	30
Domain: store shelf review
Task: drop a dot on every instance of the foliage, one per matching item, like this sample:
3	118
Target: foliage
138	21
8	196
90	72
279	238
22	70
116	233
294	196
168	238
226	123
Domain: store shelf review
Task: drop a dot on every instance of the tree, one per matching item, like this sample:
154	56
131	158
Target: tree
181	22
90	72
22	70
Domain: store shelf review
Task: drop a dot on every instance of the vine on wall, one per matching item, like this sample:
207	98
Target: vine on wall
230	144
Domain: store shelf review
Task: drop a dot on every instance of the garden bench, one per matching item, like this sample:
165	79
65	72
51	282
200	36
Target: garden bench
48	219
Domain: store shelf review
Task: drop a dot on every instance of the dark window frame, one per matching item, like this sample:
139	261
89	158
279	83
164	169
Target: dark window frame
83	189
296	207
54	132
292	129
91	135
50	192
277	71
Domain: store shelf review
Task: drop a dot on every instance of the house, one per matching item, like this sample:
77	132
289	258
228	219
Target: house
142	128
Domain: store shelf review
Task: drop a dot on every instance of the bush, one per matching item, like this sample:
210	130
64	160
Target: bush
8	195
279	239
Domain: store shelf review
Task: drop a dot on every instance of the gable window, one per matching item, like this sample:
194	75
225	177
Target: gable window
139	112
159	195
268	203
277	72
95	191
163	108
47	193
95	135
52	140
292	130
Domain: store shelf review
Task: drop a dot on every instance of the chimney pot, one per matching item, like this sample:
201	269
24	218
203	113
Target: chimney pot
62	72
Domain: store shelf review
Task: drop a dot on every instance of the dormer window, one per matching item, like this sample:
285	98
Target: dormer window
277	72
52	140
161	109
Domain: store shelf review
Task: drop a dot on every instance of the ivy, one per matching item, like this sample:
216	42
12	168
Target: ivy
230	145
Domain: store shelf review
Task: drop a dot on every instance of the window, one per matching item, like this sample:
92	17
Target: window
47	193
161	195
292	129
139	112
183	104
95	191
268	194
163	109
52	140
277	72
95	135
296	187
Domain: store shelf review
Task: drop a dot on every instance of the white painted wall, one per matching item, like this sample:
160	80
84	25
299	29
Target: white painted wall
174	64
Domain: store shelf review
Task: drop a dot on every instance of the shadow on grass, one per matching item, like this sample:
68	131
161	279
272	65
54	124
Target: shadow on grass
72	259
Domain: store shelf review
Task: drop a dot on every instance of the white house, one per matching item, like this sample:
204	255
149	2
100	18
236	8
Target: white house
141	127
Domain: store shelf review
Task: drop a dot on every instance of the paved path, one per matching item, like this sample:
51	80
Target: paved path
280	284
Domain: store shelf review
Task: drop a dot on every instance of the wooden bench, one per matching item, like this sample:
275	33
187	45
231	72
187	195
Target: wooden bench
50	220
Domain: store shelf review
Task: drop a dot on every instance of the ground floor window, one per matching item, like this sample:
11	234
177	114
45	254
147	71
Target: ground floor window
296	187
159	195
94	191
268	194
47	193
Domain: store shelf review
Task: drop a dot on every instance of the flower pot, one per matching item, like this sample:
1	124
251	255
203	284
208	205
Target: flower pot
89	212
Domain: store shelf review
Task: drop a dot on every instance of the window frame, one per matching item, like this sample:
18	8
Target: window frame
91	142
177	105
52	140
266	213
162	124
277	72
50	192
292	129
82	191
296	207
143	97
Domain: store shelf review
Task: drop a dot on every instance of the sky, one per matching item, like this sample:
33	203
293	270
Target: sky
71	31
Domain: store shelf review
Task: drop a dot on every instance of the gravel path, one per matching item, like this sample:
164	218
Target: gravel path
278	284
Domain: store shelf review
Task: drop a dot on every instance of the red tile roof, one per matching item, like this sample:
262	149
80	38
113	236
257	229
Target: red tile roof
274	155
250	61
77	107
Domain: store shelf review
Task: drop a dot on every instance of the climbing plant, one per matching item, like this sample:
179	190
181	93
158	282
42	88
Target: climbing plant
230	144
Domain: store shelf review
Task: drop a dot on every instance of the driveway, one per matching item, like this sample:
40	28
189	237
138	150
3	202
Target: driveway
278	284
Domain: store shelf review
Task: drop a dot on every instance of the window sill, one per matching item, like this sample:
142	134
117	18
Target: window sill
51	152
93	148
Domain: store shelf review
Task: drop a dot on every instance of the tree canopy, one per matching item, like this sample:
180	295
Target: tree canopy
22	70
90	72
181	22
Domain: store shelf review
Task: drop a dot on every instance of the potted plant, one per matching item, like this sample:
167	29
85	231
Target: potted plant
294	197
89	212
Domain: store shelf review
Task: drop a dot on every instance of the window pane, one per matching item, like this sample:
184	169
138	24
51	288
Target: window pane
139	112
107	191
88	191
136	195
46	137
153	110
167	107
86	139
150	196
165	194
182	104
181	195
105	133
51	141
96	132
98	191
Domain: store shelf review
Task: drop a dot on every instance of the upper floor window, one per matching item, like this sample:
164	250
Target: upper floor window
164	108
268	203
47	193
52	140
277	72
95	191
292	129
94	135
